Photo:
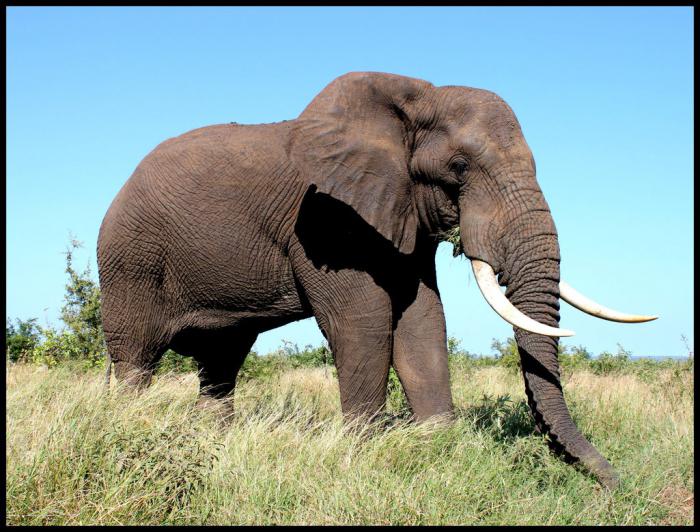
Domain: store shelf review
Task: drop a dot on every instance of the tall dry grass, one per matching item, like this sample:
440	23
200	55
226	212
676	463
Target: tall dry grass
77	455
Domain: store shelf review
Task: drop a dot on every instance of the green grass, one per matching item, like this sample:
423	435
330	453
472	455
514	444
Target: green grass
76	455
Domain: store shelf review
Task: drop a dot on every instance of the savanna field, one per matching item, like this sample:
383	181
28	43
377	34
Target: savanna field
78	455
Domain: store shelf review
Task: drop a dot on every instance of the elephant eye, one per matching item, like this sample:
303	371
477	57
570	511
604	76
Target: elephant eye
459	166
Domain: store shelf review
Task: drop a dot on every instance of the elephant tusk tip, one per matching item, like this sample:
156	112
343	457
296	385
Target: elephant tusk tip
581	302
648	318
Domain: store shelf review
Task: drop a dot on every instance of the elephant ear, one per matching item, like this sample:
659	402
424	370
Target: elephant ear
352	143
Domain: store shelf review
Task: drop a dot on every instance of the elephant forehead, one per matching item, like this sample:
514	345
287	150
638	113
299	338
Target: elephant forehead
476	116
503	128
470	138
464	103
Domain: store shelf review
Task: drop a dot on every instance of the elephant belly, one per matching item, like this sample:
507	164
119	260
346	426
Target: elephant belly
221	285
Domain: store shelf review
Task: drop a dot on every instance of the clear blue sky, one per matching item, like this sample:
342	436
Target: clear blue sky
604	96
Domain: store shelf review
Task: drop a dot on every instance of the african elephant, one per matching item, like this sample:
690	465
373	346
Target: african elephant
231	230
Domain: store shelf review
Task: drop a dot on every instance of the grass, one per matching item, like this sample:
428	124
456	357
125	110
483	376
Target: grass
77	455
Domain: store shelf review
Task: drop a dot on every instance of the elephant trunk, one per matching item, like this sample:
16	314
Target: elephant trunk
523	247
531	274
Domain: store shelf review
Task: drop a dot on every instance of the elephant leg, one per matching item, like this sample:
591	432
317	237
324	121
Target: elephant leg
134	361
420	354
219	355
220	363
354	314
358	329
135	341
360	339
362	355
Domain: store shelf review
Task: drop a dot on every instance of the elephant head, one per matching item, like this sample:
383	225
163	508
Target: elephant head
414	159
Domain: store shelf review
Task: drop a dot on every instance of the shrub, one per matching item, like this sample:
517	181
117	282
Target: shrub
57	347
82	312
507	353
21	340
607	363
577	357
502	417
173	362
310	357
260	367
396	400
289	356
462	360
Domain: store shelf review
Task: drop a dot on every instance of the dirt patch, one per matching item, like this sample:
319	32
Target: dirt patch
680	501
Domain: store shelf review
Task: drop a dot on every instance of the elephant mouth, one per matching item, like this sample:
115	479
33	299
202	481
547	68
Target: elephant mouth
488	284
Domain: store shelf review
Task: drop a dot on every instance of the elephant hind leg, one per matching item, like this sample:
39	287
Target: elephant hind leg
135	356
219	354
135	328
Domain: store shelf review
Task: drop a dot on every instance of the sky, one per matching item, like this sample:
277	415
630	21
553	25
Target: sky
604	97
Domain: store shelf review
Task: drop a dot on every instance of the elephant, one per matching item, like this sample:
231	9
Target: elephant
230	230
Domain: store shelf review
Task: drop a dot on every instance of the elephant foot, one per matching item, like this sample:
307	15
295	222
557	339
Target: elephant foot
222	408
443	420
133	376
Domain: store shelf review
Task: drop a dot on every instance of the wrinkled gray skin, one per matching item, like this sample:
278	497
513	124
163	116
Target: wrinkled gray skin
231	230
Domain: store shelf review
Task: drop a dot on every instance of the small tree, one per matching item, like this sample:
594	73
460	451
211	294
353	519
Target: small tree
176	363
576	357
56	348
453	347
21	340
507	353
606	363
82	311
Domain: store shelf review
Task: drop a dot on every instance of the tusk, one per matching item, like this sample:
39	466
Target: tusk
486	279
581	302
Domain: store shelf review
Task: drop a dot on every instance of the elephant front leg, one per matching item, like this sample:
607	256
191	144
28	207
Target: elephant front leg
420	355
354	314
358	328
362	351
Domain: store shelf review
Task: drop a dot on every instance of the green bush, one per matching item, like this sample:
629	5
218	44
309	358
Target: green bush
173	362
21	340
82	312
310	357
507	354
396	400
58	347
574	358
258	367
606	363
502	417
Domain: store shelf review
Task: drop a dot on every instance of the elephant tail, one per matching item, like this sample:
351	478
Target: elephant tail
108	372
